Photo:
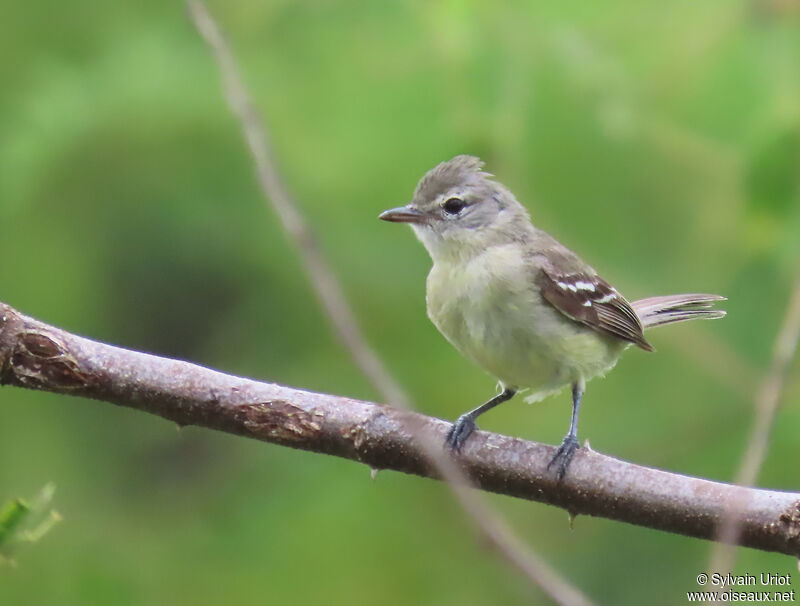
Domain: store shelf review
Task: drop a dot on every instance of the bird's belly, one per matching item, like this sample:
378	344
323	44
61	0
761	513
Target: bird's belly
523	342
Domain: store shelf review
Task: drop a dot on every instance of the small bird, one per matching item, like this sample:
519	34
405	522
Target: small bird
518	303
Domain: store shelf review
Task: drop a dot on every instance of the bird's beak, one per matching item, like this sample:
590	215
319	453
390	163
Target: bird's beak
403	214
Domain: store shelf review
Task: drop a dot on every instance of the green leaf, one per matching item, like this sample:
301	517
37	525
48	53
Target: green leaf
11	516
22	521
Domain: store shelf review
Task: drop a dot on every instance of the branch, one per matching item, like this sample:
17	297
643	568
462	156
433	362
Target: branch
769	395
334	304
324	284
38	356
767	401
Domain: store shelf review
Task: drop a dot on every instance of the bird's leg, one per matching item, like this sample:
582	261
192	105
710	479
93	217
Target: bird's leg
465	424
570	444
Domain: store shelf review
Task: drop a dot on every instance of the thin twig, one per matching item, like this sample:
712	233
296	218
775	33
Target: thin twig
324	284
767	402
343	319
37	356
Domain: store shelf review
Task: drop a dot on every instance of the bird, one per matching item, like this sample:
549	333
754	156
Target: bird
518	303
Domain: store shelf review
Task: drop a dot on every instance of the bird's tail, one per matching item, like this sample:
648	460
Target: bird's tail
656	311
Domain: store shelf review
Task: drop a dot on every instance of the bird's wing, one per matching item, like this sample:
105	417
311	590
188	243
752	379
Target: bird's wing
575	290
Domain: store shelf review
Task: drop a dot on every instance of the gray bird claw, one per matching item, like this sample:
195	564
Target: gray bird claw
460	431
563	456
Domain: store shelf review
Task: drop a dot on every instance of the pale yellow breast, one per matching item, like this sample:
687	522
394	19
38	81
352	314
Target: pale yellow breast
491	310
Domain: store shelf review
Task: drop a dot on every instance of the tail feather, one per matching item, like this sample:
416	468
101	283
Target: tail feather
657	311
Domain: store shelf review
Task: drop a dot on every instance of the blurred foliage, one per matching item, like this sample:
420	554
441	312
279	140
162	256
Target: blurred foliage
660	142
22	522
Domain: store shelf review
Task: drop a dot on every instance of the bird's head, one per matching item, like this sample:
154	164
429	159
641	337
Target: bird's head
458	210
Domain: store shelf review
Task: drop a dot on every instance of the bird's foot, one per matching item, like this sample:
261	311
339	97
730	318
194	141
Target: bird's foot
563	456
460	431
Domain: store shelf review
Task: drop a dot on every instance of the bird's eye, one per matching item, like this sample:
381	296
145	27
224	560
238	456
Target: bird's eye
453	206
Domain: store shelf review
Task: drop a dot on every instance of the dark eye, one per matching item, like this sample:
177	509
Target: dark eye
454	206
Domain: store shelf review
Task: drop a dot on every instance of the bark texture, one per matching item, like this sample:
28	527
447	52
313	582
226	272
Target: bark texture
38	356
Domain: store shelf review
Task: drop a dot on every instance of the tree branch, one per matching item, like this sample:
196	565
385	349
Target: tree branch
767	402
38	356
336	307
323	282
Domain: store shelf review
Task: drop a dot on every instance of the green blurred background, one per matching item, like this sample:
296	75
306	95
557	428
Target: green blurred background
662	142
